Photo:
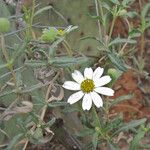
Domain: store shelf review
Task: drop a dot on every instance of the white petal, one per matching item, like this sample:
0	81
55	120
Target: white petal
97	100
77	76
105	91
75	97
102	81
88	73
98	72
87	102
70	85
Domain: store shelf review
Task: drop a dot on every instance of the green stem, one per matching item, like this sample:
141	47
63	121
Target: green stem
6	55
142	45
68	48
111	29
30	32
96	118
107	111
98	126
4	51
32	13
140	4
101	8
31	21
104	26
98	22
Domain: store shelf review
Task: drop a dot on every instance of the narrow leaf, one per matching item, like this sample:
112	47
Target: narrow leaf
67	61
57	104
85	132
35	63
14	141
3	66
121	98
112	146
131	125
95	140
115	2
42	10
118	62
135	142
119	40
145	10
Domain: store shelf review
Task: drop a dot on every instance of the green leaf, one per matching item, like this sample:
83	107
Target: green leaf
96	118
119	40
134	33
143	17
19	51
114	124
131	14
126	3
42	10
130	125
3	66
85	132
147	25
112	146
35	63
118	62
145	10
95	140
38	134
51	122
67	61
135	142
52	49
94	17
115	2
14	141
70	29
57	104
69	109
6	93
121	98
106	6
33	87
145	146
93	38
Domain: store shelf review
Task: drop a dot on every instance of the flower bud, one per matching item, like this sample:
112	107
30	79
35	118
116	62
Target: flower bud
122	12
4	25
114	74
49	35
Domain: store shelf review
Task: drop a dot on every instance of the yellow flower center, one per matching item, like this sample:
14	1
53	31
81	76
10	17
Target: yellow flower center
87	86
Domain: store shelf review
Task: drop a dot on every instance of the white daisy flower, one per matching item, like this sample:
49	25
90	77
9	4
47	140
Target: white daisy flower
89	87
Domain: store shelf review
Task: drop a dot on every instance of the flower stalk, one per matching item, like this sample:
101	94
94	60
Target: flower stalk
8	61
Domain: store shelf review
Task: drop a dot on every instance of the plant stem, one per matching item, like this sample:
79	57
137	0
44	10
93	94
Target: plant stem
31	21
67	46
142	45
45	107
101	9
30	32
111	29
4	51
6	55
96	118
98	22
140	4
107	111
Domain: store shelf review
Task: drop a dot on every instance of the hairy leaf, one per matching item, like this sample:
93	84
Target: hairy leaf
130	125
